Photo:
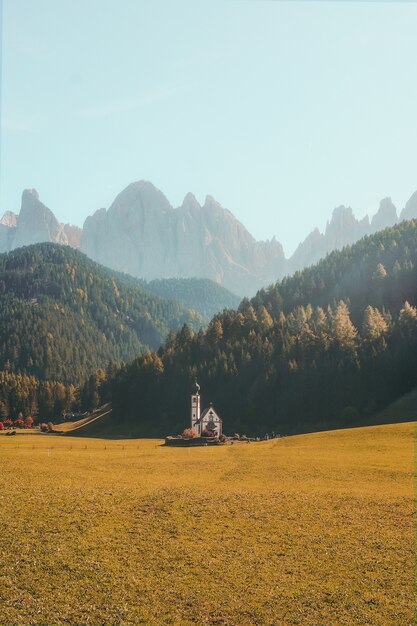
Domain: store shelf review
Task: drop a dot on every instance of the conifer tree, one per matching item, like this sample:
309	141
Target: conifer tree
343	331
374	324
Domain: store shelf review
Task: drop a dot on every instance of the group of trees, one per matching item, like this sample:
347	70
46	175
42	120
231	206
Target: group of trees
63	315
19	422
330	345
23	395
200	294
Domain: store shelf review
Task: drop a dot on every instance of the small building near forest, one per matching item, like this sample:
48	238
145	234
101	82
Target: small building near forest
207	421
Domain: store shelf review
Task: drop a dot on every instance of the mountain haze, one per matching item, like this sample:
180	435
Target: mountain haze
35	224
199	294
344	229
141	234
409	212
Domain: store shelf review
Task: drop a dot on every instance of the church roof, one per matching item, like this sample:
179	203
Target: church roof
204	413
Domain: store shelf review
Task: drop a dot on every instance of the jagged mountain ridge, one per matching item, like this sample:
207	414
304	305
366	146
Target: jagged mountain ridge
143	235
409	212
35	224
344	229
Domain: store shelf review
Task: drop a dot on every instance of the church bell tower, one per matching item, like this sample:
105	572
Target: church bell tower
195	408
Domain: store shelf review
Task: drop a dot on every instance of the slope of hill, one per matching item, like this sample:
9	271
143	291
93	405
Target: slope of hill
331	346
378	270
200	294
96	423
64	315
403	409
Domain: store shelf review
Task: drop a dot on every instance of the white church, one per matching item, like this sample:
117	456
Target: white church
208	420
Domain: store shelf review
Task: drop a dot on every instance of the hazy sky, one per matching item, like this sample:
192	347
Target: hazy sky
280	110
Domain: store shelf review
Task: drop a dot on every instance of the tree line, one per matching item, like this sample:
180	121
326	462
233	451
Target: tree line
26	395
328	346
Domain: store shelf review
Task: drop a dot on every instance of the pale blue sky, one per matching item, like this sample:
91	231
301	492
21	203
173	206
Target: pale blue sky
280	110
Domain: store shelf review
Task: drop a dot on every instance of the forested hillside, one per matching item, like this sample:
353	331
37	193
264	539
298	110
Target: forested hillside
63	315
328	346
200	294
378	270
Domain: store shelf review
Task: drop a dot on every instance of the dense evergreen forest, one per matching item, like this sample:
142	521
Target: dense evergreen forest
63	316
328	346
197	294
200	294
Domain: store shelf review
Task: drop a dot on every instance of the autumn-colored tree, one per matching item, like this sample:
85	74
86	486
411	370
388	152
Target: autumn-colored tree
215	331
380	272
374	324
408	317
264	317
344	332
4	411
189	433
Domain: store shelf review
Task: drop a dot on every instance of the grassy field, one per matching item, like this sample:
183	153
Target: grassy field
312	530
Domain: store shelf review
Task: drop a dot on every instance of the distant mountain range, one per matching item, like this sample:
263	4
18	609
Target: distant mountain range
344	229
141	234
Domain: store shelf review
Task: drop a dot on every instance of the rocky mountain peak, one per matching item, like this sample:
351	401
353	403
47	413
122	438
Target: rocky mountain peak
211	203
409	212
309	250
190	202
36	224
385	216
30	193
9	219
7	230
341	216
141	234
73	235
140	196
342	228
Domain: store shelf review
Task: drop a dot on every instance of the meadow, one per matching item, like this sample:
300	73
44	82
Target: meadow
310	530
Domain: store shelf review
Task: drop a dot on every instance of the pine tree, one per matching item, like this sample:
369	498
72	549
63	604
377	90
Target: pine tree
407	320
264	317
374	324
343	331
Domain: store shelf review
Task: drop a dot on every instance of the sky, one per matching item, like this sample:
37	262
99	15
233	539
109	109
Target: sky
280	110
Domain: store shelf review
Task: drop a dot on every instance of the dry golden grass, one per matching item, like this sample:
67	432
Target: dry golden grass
313	530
